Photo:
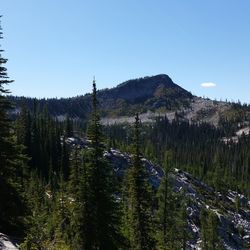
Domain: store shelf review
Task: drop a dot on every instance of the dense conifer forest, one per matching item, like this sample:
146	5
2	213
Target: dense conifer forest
59	195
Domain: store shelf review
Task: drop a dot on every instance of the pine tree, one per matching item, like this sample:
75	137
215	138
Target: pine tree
77	201
68	127
35	235
61	218
65	160
35	140
11	161
99	226
23	129
183	234
166	205
209	230
138	200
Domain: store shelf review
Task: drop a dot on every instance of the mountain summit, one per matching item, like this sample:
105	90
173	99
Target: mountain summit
143	94
142	89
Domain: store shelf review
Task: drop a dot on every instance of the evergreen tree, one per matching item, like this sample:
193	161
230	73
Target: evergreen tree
138	200
172	217
61	218
68	127
209	230
38	203
78	202
65	161
98	209
11	162
23	129
165	197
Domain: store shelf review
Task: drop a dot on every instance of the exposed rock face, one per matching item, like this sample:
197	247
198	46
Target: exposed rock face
199	110
234	223
231	208
240	133
121	161
6	243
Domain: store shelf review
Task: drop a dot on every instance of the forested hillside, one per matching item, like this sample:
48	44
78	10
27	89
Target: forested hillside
151	97
138	95
70	181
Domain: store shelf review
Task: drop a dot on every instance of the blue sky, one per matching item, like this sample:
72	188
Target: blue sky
56	47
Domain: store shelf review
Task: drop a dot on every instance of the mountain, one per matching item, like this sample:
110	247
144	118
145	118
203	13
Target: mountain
143	89
150	96
138	95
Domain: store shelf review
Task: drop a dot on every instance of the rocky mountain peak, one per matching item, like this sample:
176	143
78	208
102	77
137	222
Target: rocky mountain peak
148	80
141	89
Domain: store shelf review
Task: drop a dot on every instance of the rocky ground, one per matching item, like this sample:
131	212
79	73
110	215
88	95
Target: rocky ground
6	243
202	110
234	222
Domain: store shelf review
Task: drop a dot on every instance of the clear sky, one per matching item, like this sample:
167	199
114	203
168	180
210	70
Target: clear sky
55	47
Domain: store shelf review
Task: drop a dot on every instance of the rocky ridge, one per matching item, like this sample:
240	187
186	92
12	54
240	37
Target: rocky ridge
231	208
200	110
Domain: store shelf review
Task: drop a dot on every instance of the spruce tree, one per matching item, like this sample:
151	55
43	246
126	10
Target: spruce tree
11	161
61	218
65	160
209	230
138	200
68	127
165	205
23	130
78	202
99	211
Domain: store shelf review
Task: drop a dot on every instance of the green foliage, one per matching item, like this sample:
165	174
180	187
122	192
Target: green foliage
209	230
94	210
12	164
39	208
41	136
137	200
196	148
173	231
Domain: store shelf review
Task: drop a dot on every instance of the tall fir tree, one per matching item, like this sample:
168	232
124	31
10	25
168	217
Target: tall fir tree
137	200
23	129
209	230
11	161
99	224
165	205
